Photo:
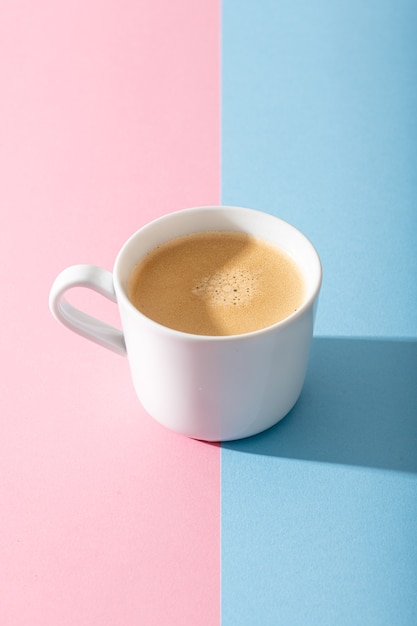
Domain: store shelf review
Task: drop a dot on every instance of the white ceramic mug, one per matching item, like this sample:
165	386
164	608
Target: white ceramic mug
214	388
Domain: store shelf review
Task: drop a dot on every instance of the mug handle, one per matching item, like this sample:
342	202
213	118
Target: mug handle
94	278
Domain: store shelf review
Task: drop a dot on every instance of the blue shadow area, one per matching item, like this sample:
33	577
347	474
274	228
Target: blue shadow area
358	407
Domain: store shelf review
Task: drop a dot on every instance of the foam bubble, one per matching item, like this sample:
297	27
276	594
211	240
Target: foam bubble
227	287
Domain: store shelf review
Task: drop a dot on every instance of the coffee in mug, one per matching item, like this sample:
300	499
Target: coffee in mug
216	283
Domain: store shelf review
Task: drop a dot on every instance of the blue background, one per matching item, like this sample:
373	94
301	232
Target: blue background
319	127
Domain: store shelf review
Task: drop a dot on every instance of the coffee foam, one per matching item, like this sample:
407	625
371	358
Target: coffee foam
227	287
216	283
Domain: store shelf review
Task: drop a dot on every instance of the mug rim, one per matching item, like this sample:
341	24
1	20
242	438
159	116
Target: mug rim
307	303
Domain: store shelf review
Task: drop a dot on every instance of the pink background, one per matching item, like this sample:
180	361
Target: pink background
109	117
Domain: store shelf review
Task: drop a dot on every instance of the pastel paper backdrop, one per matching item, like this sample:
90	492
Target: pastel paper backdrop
319	104
111	114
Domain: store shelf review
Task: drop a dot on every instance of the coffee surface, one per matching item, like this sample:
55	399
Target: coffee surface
216	283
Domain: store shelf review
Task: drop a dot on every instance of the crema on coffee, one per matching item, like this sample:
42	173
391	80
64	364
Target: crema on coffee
216	283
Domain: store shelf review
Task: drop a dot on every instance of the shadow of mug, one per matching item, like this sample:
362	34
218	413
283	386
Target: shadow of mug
358	407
